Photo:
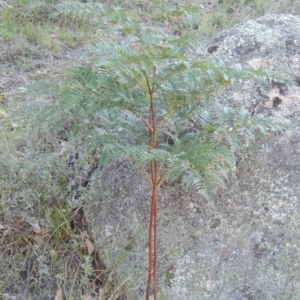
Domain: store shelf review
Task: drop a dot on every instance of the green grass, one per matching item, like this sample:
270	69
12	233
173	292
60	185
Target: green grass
34	21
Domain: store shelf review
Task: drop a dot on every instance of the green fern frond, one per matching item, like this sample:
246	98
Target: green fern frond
201	165
139	154
265	124
90	10
109	95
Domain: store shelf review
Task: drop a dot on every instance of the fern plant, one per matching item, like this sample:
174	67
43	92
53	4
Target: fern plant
145	94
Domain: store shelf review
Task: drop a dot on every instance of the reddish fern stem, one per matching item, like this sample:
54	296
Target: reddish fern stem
155	245
152	264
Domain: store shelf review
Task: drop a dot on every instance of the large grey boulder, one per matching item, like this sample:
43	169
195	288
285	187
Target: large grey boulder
245	244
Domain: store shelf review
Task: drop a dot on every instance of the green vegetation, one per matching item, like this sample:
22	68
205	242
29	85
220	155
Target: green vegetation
33	21
141	93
